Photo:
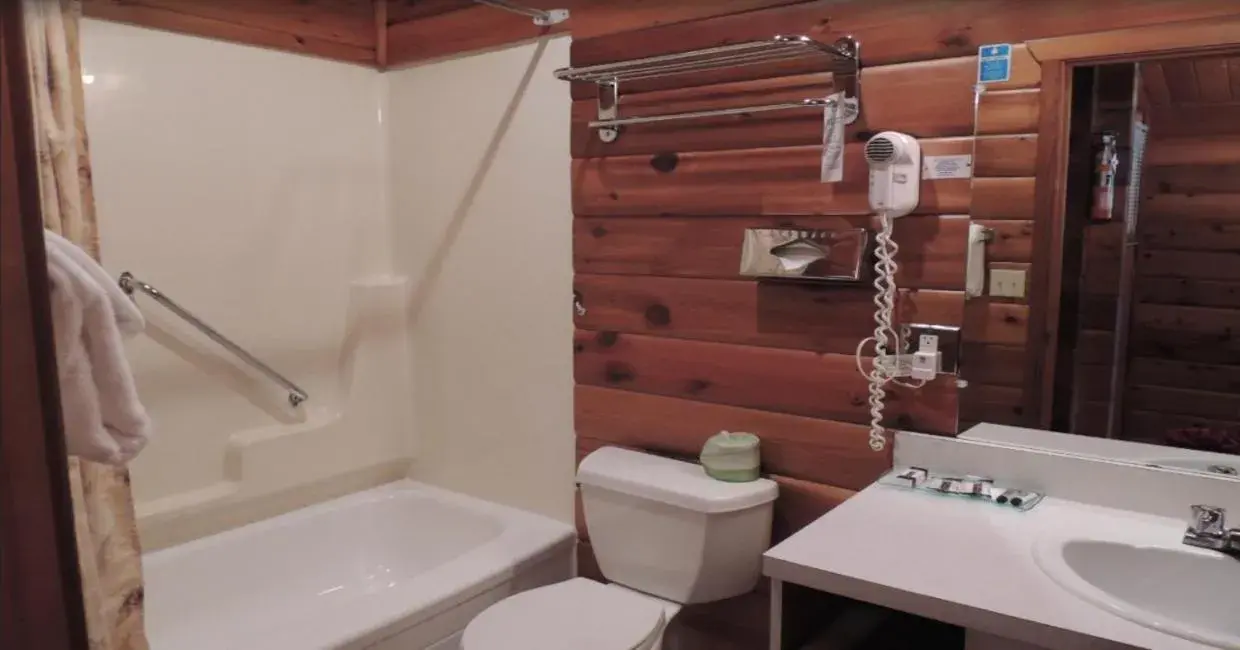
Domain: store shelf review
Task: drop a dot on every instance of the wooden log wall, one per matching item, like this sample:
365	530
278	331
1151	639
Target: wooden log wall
674	346
1184	357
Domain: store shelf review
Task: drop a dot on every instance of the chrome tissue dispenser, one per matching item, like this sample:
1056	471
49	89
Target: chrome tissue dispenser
805	254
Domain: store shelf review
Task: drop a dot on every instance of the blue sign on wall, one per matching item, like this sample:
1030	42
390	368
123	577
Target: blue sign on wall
994	63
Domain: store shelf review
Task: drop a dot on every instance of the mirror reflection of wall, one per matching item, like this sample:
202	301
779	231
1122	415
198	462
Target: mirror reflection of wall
1149	346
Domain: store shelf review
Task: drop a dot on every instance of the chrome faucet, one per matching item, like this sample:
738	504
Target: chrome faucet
1208	529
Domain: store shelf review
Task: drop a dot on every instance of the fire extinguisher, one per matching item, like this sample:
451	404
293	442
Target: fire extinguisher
1105	166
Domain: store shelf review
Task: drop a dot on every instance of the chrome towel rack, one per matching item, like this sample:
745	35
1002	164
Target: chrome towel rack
129	284
842	59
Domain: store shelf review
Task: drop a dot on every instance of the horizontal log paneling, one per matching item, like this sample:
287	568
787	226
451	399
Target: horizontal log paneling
1002	323
475	27
1188	120
1216	150
931	254
351	22
799	382
1179	206
1193	403
1197	179
1093	382
1178	291
1013	240
330	29
895	31
1095	347
1006	155
822	451
446	28
782	180
997	365
1205	265
1190	232
807	317
802	502
1008	111
1178	374
997	404
1003	198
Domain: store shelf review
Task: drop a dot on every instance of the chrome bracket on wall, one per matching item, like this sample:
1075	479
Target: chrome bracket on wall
608	109
540	17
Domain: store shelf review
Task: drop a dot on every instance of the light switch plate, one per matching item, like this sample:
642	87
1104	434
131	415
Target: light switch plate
1007	283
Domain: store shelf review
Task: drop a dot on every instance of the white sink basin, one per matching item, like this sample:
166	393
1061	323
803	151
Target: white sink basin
1179	590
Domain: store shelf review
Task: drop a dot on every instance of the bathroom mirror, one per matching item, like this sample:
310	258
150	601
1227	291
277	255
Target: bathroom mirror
1142	309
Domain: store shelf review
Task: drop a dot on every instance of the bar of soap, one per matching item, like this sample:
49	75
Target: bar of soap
732	457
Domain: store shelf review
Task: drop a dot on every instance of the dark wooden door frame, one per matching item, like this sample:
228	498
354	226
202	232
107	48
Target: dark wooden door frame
1058	57
40	586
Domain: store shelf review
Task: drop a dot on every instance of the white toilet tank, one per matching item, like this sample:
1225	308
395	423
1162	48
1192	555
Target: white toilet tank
665	528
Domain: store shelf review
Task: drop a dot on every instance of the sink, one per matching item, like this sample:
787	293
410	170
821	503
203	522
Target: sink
1186	592
1208	466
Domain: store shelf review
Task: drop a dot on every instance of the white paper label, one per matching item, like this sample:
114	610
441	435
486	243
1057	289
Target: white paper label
941	167
833	121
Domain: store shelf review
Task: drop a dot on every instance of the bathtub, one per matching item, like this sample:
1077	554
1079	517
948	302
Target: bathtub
401	567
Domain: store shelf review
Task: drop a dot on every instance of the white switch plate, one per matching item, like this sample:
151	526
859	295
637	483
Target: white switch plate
1007	283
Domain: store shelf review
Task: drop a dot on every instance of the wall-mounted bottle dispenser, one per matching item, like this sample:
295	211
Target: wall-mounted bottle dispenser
829	255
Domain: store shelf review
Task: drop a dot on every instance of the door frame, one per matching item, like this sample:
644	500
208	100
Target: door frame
41	603
1058	56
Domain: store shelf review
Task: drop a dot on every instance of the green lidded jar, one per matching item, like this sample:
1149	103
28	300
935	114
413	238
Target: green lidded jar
732	457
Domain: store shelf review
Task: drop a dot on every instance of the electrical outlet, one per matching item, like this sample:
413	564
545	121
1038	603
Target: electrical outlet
1007	283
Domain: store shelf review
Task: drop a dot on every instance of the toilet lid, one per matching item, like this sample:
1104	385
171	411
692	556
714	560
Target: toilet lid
571	615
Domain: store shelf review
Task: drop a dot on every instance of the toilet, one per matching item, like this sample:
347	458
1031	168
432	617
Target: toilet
665	535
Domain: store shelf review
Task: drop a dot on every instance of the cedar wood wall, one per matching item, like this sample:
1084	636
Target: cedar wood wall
1184	358
674	347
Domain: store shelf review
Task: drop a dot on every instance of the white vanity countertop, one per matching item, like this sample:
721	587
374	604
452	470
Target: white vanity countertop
966	563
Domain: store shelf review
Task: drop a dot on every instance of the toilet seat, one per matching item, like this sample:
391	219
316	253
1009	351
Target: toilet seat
570	615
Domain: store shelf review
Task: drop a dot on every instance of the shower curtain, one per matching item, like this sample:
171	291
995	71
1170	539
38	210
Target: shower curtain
107	536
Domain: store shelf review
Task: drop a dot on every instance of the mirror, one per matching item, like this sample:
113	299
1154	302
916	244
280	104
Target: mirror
1147	363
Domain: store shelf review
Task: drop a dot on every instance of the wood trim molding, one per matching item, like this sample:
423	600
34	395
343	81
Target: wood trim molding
1195	35
1052	167
41	601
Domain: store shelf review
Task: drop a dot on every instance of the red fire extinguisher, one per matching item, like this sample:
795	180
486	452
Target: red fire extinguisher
1105	166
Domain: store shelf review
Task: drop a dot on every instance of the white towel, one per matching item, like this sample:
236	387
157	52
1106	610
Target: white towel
104	420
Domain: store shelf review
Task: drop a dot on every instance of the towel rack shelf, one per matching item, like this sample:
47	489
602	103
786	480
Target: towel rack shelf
129	284
842	59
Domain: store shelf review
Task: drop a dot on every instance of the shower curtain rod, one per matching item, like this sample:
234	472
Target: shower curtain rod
540	17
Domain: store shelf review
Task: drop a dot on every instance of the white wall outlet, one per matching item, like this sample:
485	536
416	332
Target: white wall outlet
1007	283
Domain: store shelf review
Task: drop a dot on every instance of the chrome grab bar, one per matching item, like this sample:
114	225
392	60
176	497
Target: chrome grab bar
744	110
129	283
541	18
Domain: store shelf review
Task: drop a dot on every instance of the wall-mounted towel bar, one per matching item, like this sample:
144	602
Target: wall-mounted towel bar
842	59
129	284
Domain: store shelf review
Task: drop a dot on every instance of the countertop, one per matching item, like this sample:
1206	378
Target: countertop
966	563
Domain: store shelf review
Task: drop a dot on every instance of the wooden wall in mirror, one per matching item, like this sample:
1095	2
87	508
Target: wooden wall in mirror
1147	348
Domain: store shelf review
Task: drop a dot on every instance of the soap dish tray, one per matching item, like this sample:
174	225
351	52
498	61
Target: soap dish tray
964	487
